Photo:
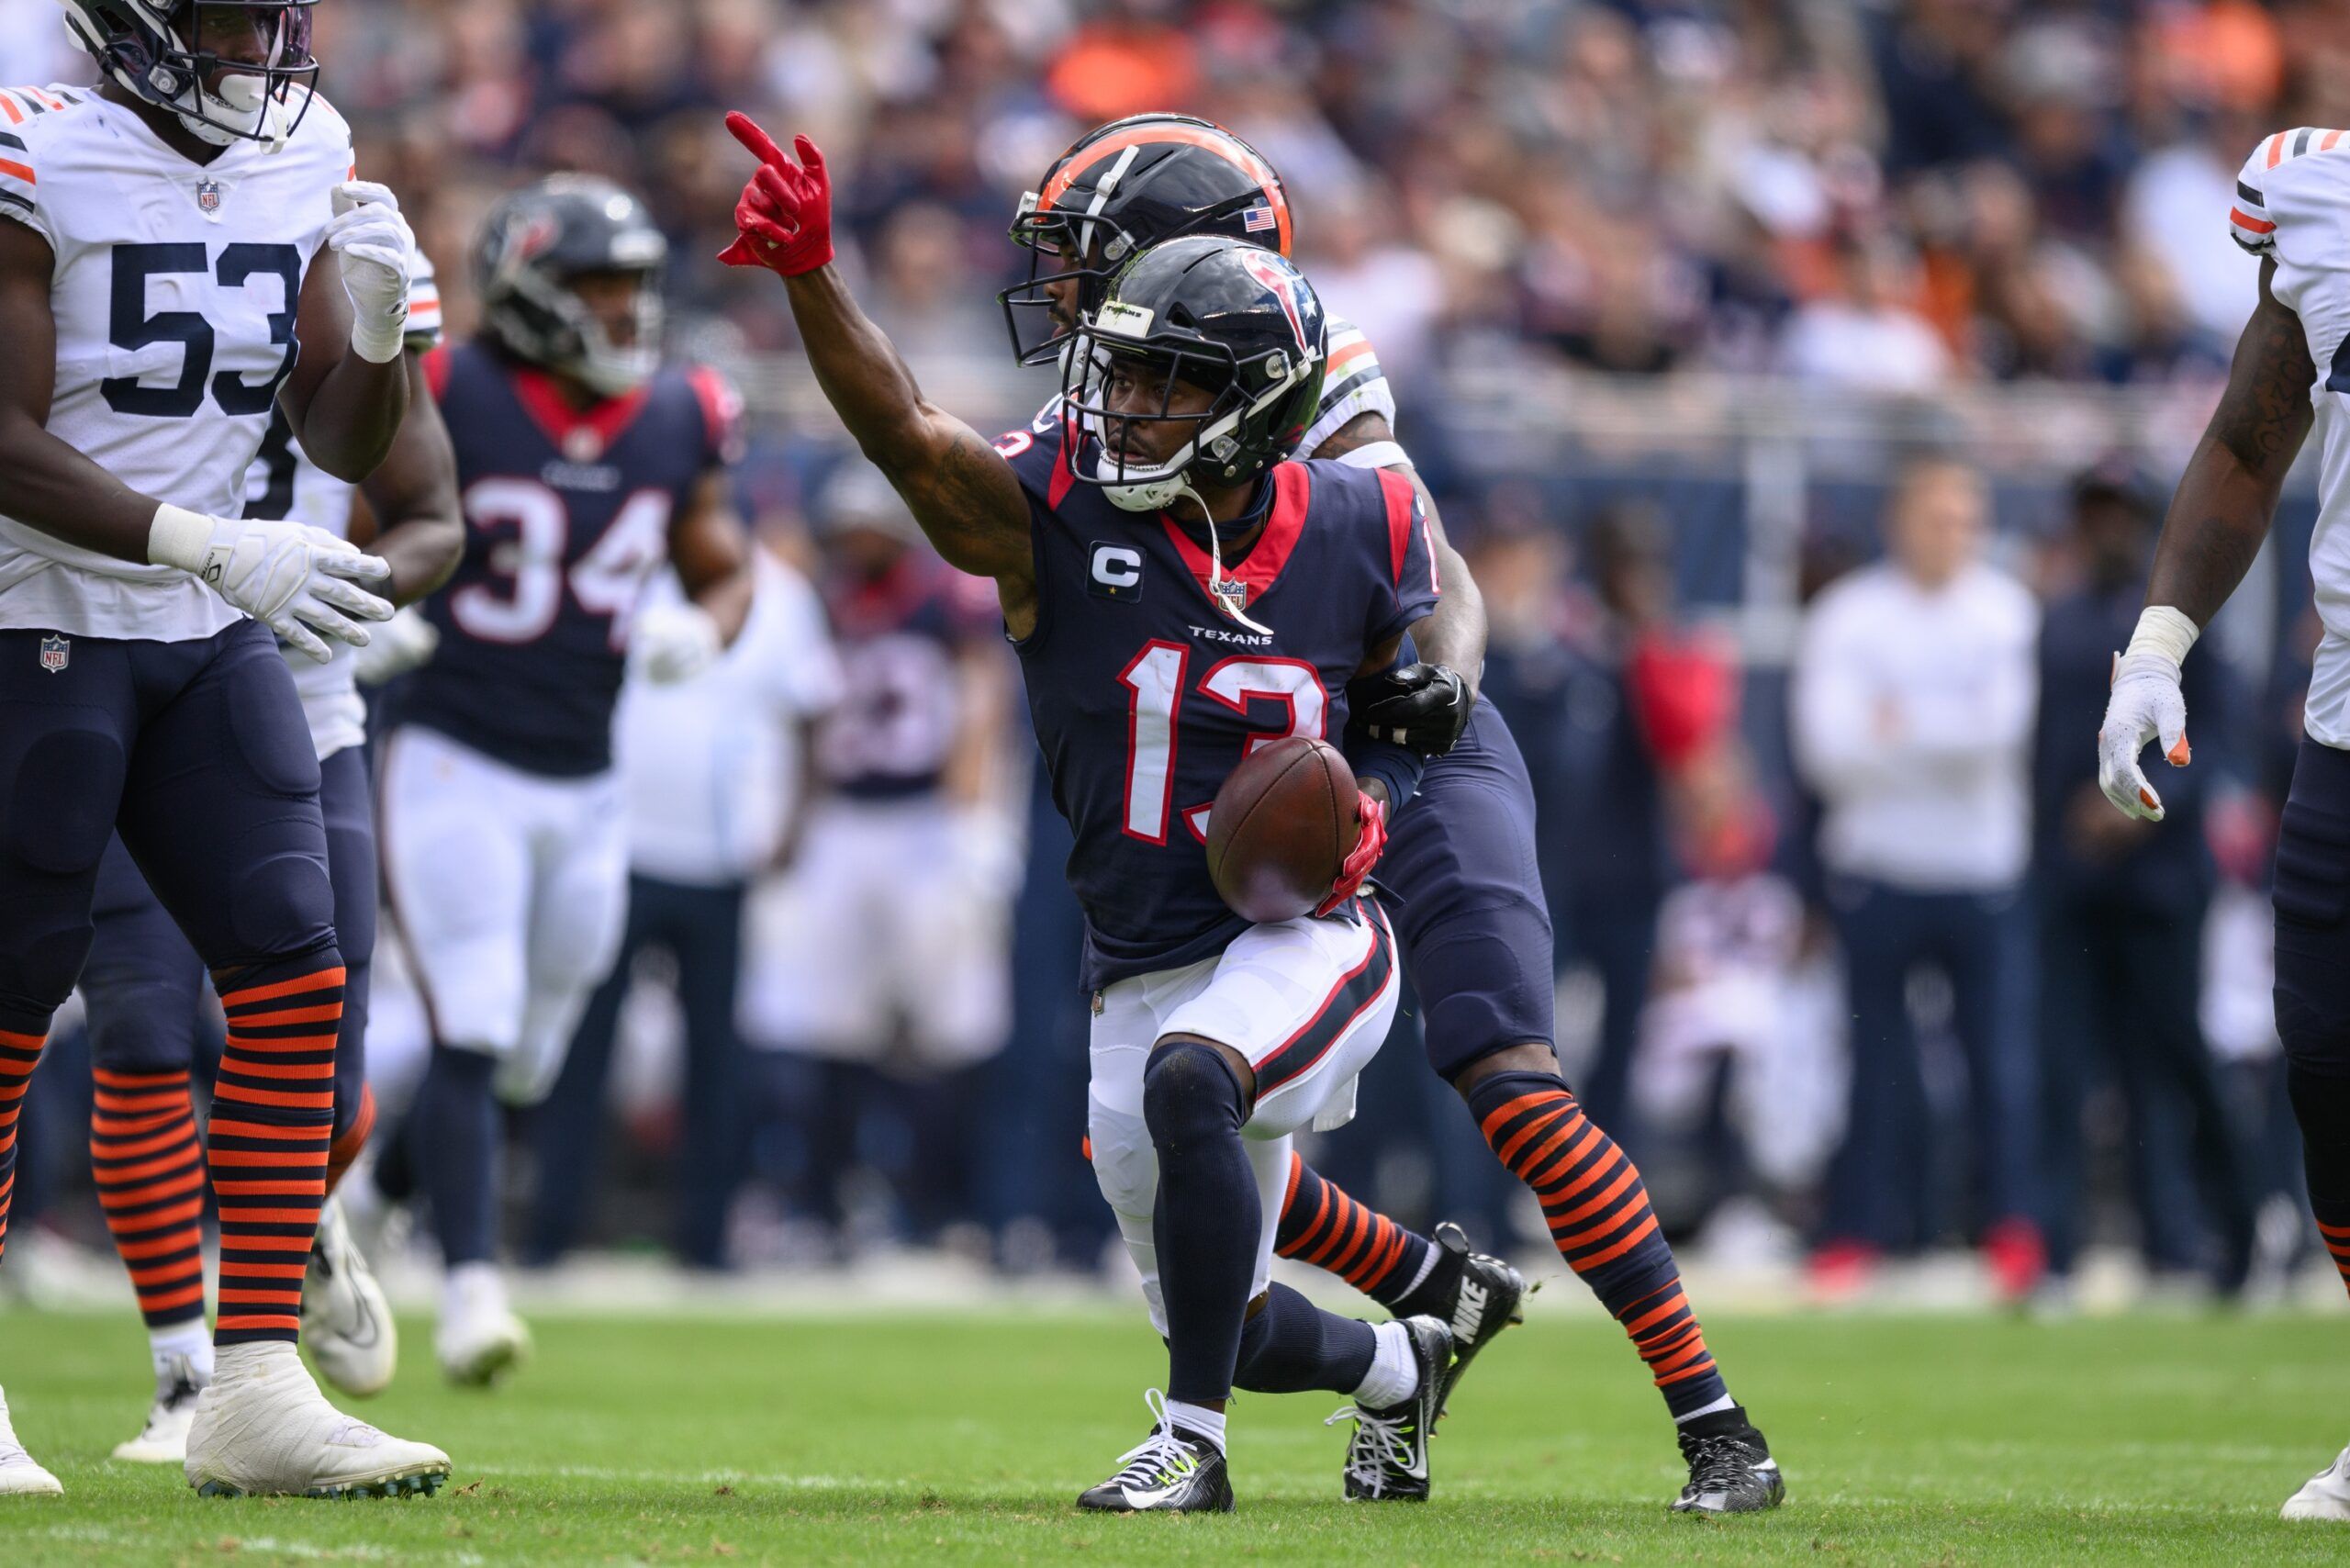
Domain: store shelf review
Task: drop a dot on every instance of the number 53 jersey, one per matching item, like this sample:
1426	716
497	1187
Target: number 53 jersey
175	291
1146	694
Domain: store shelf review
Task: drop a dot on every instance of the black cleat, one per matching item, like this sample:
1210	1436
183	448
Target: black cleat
1486	1300
1730	1467
1387	1458
1171	1472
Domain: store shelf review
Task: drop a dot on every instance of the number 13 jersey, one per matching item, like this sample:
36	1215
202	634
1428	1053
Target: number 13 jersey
1146	694
568	512
175	291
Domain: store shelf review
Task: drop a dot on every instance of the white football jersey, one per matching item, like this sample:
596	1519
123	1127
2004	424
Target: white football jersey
2293	205
284	482
175	290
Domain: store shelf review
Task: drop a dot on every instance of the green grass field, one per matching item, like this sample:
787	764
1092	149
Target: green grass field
956	1439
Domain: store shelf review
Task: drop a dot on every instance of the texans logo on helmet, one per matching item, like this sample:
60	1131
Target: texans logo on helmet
1282	279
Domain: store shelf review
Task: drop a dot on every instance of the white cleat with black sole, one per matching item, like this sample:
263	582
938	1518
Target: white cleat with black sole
163	1439
2325	1496
21	1474
264	1429
346	1323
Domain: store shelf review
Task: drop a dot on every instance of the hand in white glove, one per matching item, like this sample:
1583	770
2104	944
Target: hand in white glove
372	239
296	581
407	642
2146	704
674	641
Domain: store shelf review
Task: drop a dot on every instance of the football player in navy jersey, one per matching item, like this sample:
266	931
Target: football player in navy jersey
1179	592
1469	910
584	465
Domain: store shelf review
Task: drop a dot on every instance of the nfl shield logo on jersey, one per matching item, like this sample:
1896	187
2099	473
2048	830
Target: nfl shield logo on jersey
56	652
1233	596
208	194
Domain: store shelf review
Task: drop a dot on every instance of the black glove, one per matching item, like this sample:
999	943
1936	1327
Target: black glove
1423	706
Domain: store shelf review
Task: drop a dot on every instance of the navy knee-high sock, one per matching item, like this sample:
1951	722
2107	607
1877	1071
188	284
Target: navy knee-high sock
2322	1106
1292	1346
455	1131
1206	1224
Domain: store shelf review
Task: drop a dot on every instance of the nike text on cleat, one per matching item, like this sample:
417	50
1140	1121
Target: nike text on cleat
1387	1457
346	1323
1489	1298
21	1474
163	1440
2325	1496
264	1429
1170	1472
1730	1467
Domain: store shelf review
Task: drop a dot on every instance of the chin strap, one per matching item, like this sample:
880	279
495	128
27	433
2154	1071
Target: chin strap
1217	579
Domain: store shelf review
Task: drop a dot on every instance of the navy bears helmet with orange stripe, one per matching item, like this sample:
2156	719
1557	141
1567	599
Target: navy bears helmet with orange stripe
1132	183
168	53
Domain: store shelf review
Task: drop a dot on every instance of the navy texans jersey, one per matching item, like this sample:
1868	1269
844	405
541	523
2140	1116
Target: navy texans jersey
1146	694
900	636
567	512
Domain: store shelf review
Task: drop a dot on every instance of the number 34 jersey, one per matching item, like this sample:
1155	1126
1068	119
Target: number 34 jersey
568	512
175	291
1146	694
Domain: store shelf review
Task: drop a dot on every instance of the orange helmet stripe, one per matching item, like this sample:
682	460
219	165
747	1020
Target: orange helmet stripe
1223	145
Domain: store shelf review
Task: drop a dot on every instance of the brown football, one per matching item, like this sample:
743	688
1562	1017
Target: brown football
1282	825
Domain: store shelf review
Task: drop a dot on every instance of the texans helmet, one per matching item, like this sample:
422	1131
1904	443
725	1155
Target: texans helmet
152	48
1134	182
535	247
1233	319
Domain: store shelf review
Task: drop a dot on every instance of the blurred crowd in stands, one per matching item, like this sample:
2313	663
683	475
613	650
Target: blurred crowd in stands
1853	956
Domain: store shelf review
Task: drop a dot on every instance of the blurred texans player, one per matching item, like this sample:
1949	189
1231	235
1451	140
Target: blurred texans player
1178	591
169	237
584	465
1469	909
142	983
887	946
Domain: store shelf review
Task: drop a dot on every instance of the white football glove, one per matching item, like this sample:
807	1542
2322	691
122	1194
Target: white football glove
407	642
372	242
674	641
2146	704
296	581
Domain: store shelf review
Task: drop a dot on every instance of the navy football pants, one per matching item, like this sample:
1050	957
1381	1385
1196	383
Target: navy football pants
196	751
143	984
1468	908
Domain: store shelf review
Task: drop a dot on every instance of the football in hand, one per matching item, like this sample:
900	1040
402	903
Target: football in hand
1282	825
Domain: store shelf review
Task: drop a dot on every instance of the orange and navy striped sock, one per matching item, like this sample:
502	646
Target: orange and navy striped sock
150	1172
1321	1225
1601	1222
19	1054
2321	1107
273	1118
350	1139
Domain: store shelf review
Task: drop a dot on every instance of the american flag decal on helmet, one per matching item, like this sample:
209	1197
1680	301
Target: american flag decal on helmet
1256	218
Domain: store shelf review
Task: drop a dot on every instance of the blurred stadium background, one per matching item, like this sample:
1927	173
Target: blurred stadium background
1670	293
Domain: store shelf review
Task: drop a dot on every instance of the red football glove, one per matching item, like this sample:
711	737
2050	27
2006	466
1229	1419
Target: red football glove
784	222
1355	870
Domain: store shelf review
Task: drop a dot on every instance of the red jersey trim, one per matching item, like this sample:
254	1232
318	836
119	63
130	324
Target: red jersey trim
1293	494
549	409
436	372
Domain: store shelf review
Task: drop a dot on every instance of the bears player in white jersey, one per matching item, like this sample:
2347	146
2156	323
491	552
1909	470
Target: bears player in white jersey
586	464
168	239
142	983
2291	371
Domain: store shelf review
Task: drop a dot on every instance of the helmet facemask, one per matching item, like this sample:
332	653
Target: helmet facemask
573	339
157	49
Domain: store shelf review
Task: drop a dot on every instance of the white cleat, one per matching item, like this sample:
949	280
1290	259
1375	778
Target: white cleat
21	1474
346	1323
163	1440
479	1339
264	1429
2325	1495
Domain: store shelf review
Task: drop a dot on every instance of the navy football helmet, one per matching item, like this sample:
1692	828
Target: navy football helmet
537	243
152	49
1134	182
1230	318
